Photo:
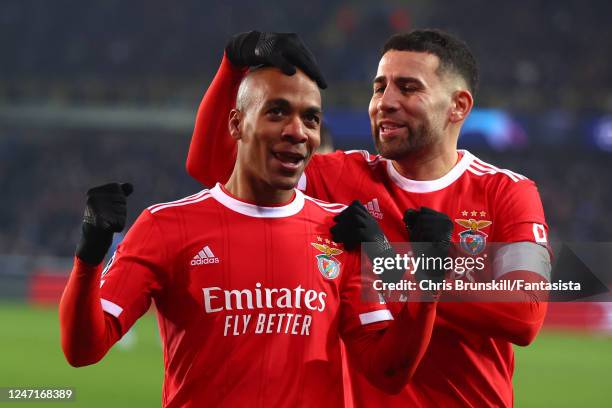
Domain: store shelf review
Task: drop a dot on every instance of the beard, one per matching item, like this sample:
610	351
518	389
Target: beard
398	148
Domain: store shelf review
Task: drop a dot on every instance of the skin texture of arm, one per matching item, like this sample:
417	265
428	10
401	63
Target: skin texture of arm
212	152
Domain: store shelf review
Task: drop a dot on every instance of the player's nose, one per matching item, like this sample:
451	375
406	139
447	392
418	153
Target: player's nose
389	100
295	130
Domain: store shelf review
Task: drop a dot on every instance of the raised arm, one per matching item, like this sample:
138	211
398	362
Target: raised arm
98	307
212	152
87	332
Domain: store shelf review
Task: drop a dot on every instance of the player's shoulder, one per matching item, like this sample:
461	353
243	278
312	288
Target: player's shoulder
485	172
362	156
195	200
502	186
363	160
350	157
325	208
319	214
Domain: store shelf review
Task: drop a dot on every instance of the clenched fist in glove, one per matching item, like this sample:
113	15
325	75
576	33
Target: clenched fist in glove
105	214
354	226
285	51
431	232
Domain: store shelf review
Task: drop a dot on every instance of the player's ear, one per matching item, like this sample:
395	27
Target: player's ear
235	120
461	105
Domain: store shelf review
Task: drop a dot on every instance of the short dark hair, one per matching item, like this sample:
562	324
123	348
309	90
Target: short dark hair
454	54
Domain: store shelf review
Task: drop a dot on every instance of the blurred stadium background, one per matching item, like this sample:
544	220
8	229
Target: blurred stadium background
107	90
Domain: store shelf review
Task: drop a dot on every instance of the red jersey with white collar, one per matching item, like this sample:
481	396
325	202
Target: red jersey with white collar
470	359
251	301
462	366
472	189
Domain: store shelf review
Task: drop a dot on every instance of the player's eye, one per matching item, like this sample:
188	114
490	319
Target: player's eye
312	120
408	89
276	112
379	89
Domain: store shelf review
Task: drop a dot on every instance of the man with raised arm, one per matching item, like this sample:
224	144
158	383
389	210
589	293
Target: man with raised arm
422	93
252	294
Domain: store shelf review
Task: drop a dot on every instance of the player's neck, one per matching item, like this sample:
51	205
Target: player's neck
258	193
430	164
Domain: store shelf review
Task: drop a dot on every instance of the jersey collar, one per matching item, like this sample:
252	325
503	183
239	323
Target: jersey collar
252	210
428	186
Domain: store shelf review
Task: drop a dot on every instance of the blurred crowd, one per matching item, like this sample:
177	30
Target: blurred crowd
532	54
546	59
45	174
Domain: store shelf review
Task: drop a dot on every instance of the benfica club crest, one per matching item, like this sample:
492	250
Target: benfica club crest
472	240
328	265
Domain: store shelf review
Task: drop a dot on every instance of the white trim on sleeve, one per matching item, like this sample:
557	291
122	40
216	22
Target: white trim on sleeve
111	308
375	316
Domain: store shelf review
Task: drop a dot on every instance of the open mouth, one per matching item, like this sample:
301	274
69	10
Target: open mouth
389	128
290	160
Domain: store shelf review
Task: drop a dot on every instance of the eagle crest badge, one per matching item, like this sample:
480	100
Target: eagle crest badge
472	240
328	265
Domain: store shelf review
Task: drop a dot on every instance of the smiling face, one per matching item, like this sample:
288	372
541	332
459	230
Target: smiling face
277	125
411	103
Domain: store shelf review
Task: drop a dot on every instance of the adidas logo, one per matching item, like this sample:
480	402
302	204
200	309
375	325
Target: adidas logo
204	257
374	209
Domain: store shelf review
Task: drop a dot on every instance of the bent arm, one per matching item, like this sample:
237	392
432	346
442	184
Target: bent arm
87	333
513	315
212	152
517	320
389	357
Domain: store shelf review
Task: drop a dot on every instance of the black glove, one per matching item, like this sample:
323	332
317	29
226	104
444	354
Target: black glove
105	214
355	225
285	51
431	231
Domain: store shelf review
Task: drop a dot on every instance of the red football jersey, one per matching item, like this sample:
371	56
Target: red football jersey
462	366
251	301
470	360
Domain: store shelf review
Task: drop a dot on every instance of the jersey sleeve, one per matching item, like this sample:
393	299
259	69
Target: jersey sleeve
519	222
212	152
86	332
359	304
386	349
325	172
132	276
519	213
